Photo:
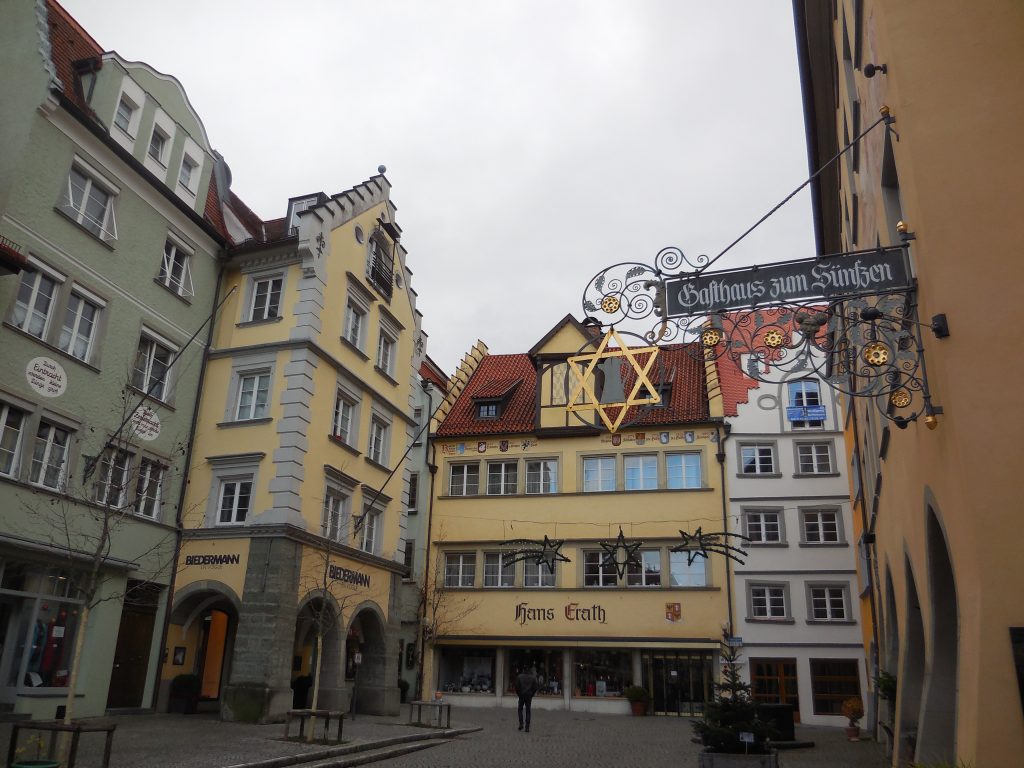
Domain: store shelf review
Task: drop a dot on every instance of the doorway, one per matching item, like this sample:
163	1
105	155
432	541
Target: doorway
680	682
134	647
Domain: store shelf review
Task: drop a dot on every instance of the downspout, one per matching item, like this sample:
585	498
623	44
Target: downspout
432	468
720	455
178	529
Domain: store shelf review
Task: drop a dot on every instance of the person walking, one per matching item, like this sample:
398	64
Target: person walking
526	686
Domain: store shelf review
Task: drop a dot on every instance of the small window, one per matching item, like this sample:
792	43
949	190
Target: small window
459	569
684	470
386	353
378	441
538	575
763	527
151	364
646	573
805	393
266	299
89	203
502	478
828	602
235	501
814	458
464	480
758	459
187	173
598	473
111	486
768	601
344	410
684	573
176	270
368	532
34	302
597	573
49	456
158	146
499	571
253	396
412	495
148	488
641	472
354	321
410	550
12	423
123	117
487	411
76	335
335	516
821	527
542	476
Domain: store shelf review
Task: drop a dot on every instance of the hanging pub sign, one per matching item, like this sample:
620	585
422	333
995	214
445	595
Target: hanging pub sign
844	274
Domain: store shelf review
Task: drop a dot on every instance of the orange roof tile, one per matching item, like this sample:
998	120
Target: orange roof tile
516	416
69	43
213	212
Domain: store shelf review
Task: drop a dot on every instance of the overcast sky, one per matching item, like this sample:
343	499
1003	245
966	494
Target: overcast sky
529	143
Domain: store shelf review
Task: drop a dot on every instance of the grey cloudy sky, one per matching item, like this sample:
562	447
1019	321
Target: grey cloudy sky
529	143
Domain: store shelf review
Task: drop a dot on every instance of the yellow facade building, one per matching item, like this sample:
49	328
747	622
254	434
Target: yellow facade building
941	505
517	473
294	530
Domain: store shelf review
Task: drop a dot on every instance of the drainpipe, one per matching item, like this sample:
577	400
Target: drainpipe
432	467
178	529
720	455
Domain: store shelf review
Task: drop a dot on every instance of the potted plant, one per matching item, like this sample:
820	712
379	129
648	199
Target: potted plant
185	690
35	744
853	710
637	697
733	734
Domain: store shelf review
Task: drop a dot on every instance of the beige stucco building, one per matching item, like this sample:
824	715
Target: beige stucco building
940	506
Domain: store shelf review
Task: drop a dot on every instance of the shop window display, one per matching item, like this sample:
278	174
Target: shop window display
547	664
602	673
467	670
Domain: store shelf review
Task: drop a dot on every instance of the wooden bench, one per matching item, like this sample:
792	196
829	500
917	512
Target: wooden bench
76	729
442	707
302	715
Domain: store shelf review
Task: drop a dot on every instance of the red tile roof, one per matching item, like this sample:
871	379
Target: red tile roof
516	416
734	385
432	372
682	366
69	43
496	388
213	212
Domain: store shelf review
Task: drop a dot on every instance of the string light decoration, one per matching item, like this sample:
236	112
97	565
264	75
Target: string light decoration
547	552
700	544
621	554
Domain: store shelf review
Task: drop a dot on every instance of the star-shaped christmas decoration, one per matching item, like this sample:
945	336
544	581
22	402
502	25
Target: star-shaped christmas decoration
582	369
621	554
699	544
542	553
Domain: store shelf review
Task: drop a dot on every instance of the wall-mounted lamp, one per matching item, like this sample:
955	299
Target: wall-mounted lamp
870	70
903	231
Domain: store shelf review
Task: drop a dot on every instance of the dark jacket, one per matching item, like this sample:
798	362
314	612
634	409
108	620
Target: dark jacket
526	684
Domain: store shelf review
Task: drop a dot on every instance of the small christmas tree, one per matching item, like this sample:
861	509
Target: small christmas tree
732	712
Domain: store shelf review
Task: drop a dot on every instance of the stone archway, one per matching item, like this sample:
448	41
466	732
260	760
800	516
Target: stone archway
936	740
374	680
318	618
201	637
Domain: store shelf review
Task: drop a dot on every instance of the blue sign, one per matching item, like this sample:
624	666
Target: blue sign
805	413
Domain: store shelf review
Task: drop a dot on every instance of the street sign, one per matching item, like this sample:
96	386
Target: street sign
858	273
805	413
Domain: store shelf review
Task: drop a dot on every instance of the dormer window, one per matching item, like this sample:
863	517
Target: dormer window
296	206
492	398
488	410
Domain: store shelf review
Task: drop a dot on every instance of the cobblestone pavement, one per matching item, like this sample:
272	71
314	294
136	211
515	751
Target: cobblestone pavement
556	739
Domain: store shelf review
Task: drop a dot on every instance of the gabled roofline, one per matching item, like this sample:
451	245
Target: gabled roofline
569	319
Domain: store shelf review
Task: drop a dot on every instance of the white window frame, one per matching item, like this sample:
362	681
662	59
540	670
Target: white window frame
27	306
106	228
334	525
755	451
368	531
237	481
41	463
758	522
355	325
641	577
605	470
126	129
386	348
640	471
161	147
8	448
498	573
798	392
464	572
412	493
762	599
149	488
544	474
176	269
264	310
687	460
377	447
343	420
163	392
814	526
462	487
188	181
538	575
692	575
594	567
833	599
250	413
817	464
506	478
75	332
113	470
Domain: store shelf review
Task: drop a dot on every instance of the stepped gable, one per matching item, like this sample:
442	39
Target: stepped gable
734	385
497	376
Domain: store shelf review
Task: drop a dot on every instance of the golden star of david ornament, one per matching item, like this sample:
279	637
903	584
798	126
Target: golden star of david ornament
582	369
